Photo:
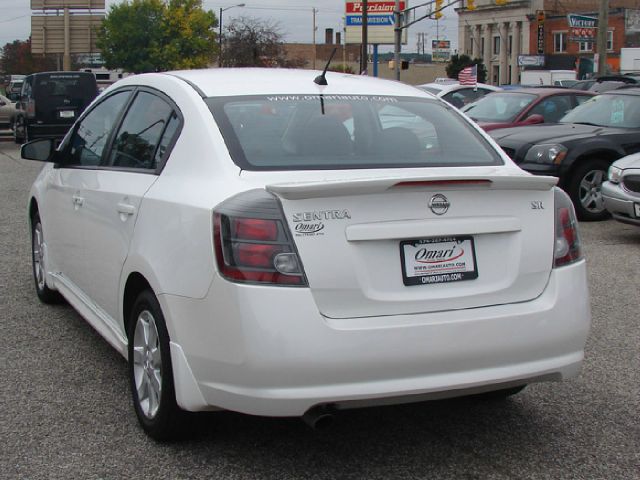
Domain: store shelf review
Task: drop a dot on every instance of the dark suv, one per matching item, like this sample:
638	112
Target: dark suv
50	102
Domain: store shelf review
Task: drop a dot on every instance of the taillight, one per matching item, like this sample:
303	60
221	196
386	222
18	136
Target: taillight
31	109
568	247
253	243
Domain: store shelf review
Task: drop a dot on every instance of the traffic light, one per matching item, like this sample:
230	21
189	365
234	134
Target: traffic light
439	6
471	4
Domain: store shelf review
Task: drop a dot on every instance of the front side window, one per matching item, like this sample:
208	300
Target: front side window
553	108
90	137
138	137
298	132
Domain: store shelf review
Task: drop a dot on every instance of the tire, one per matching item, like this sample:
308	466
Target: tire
39	268
19	126
150	371
584	188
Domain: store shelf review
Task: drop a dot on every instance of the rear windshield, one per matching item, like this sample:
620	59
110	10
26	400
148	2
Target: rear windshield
295	132
499	107
77	85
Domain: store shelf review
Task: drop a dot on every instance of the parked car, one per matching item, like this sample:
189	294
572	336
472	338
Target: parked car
565	83
621	193
581	147
605	83
524	106
255	240
456	94
7	112
50	102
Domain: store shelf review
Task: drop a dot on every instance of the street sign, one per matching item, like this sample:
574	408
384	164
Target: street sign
531	60
47	33
380	21
73	4
440	50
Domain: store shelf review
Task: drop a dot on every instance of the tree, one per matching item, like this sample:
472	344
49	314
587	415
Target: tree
254	43
458	62
18	59
154	35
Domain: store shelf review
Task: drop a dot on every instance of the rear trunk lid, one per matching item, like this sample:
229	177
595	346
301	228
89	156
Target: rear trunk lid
395	244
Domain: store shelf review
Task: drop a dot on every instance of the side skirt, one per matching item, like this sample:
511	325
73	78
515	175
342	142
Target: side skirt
92	313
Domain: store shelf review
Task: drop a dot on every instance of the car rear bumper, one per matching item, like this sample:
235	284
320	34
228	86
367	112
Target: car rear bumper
267	351
620	203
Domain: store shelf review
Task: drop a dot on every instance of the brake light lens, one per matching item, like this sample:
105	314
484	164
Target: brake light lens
252	242
568	248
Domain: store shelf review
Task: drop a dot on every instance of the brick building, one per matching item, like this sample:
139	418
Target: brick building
500	33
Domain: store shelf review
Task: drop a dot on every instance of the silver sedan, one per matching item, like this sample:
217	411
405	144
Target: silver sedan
622	192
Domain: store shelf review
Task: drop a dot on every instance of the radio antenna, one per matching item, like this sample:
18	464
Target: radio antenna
320	79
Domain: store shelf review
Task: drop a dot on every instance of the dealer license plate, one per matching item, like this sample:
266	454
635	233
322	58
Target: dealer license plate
636	206
438	260
67	114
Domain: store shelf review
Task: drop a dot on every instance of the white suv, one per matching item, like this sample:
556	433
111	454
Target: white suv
254	240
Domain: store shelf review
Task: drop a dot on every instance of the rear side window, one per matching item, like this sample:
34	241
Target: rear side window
296	132
139	135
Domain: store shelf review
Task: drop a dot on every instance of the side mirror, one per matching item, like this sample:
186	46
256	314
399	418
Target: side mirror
40	150
2	103
533	119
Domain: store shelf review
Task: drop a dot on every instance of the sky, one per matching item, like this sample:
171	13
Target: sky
294	19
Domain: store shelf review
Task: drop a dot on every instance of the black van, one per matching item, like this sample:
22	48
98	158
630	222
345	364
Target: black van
50	102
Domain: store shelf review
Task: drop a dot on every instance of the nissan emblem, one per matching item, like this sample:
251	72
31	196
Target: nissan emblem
439	204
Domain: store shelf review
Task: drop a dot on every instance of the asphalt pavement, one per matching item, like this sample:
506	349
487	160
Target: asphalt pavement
66	411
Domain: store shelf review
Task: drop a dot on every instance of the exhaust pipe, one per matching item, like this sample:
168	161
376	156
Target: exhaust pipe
319	417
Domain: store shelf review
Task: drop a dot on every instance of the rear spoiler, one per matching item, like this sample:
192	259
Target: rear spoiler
365	186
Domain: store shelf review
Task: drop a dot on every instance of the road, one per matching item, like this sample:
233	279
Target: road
66	411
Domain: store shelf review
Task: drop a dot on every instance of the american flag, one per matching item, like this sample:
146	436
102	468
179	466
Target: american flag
468	75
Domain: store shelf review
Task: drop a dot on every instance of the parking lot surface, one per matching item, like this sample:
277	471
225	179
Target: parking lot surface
66	409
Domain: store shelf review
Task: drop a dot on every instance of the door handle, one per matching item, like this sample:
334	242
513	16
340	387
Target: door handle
77	200
126	208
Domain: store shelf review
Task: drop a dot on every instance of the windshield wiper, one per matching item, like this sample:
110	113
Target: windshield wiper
585	123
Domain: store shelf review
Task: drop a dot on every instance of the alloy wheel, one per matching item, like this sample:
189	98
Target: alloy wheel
38	256
590	191
147	364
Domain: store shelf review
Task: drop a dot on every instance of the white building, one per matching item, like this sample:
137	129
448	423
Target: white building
498	34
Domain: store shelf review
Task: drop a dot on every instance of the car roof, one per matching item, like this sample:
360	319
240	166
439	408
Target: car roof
455	85
216	82
545	91
633	89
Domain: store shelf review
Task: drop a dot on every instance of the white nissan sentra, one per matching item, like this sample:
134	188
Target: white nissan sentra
254	240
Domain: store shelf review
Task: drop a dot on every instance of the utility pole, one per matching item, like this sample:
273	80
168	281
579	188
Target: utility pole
365	40
315	56
603	29
398	39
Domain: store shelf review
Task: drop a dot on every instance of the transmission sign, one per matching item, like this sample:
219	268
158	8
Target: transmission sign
380	22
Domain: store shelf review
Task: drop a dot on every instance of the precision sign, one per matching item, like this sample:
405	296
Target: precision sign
380	22
582	29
